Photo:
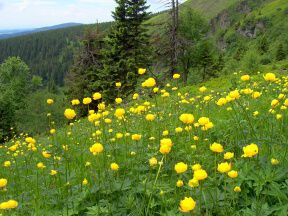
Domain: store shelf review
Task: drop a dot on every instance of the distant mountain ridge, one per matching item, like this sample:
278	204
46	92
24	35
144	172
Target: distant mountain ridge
4	34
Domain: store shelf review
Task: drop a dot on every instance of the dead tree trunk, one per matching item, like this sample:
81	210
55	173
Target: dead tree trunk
173	35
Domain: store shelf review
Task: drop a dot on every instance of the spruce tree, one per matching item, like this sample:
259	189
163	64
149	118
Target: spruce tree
126	46
280	53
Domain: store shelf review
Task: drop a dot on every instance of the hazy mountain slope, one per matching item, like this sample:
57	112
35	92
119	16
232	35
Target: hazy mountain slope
17	33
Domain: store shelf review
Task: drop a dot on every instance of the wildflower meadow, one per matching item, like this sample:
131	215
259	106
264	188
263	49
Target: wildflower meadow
219	148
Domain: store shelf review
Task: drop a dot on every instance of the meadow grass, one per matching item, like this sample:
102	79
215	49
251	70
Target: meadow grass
212	149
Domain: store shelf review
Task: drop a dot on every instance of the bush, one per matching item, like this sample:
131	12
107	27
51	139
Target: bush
251	61
33	117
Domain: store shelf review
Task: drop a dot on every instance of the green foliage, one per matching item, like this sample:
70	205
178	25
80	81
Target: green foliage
126	46
32	118
14	87
280	53
85	75
251	61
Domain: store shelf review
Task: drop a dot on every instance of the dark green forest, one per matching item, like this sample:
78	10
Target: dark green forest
49	54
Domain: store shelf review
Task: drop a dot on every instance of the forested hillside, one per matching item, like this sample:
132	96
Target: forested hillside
49	54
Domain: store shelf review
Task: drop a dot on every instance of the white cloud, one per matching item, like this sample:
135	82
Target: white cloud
39	13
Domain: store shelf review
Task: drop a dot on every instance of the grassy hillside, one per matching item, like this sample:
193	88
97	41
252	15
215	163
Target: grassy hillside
207	8
143	156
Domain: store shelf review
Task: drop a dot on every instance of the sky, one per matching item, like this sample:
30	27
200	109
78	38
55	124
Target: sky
21	14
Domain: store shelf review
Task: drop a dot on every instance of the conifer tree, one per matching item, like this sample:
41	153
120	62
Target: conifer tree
126	46
280	53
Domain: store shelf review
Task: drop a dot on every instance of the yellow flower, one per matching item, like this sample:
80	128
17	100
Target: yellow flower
119	113
216	147
30	140
186	118
178	130
69	114
150	117
165	94
153	161
176	76
221	102
279	116
96	96
118	100
179	183
228	155
203	121
233	174
50	101
40	165
256	95
281	96
286	103
200	174
270	77
207	126
101	106
245	77
135	96
118	84
155	90
75	102
274	161
166	141
180	167
255	113
52	131
87	100
224	167
247	91
195	138
119	135
187	204
202	89
136	137
141	71
237	189
3	182
46	154
53	172
196	167
193	183
207	98
85	181
11	204
234	94
114	166
7	164
165	133
250	150
274	103
149	83
165	149
107	121
96	148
